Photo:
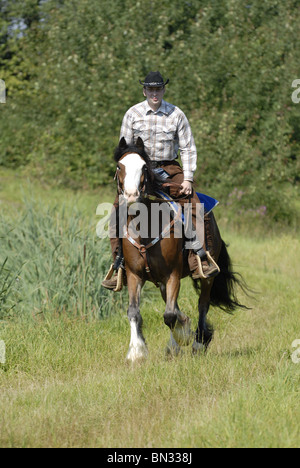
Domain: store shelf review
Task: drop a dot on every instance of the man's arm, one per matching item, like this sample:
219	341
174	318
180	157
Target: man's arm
126	128
187	147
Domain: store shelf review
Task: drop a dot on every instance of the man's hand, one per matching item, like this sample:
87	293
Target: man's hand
186	187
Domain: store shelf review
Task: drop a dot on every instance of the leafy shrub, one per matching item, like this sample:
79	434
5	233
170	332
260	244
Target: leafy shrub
73	72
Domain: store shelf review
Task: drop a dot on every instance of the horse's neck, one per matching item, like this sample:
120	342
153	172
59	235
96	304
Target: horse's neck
139	222
148	222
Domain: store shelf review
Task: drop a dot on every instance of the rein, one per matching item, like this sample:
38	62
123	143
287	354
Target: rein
166	185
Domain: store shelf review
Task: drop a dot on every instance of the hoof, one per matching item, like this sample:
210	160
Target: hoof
183	334
137	353
198	348
172	349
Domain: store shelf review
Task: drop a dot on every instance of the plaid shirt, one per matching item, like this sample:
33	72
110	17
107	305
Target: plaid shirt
164	132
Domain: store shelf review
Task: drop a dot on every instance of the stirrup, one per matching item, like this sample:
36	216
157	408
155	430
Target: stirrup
211	263
109	275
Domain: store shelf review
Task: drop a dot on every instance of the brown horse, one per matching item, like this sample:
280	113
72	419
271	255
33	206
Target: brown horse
163	259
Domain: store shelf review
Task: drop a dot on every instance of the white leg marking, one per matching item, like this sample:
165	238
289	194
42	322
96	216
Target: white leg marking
137	346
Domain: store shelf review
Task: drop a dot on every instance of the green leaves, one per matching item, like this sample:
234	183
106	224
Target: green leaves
72	69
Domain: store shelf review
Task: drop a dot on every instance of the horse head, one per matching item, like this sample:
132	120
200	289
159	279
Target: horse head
134	172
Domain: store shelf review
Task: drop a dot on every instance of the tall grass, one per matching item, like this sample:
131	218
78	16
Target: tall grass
6	287
52	262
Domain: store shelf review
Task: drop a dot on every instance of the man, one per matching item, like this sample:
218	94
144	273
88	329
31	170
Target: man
164	130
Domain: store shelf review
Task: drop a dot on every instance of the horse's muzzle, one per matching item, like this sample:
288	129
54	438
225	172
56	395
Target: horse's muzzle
131	197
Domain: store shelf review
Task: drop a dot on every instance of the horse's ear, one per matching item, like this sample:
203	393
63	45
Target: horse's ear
140	143
122	143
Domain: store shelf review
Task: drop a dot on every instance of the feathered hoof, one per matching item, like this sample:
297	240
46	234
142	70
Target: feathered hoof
172	348
183	334
137	353
198	348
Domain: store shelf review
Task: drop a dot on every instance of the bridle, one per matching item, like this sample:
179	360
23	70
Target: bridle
143	185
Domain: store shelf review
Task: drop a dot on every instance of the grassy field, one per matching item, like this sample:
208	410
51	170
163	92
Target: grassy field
65	382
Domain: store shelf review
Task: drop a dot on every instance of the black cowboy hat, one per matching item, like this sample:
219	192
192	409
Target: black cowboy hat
154	79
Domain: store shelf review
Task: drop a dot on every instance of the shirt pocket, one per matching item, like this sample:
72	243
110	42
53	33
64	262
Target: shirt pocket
166	134
140	130
167	140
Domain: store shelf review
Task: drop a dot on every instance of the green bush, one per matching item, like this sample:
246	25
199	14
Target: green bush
73	71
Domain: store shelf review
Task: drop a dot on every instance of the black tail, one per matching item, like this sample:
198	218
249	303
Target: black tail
223	292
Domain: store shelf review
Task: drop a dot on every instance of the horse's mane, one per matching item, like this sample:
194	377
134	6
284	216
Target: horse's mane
154	181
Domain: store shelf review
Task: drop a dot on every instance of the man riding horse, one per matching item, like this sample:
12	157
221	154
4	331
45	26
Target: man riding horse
165	129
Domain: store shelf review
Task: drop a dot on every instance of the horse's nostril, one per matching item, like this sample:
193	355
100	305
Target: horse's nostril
131	194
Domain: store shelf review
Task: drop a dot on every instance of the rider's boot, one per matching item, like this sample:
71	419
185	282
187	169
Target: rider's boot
111	279
201	262
206	266
116	276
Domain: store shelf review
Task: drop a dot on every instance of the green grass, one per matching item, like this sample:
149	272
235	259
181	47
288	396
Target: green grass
65	382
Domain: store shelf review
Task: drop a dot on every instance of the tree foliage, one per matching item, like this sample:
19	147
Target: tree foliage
72	69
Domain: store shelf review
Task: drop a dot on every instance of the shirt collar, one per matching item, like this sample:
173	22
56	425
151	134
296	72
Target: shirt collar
164	108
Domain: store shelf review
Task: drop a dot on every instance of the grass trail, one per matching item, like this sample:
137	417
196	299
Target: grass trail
65	382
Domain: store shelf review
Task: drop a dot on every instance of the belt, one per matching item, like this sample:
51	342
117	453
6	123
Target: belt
156	164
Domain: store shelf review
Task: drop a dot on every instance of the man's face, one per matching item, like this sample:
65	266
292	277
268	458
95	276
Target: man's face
154	96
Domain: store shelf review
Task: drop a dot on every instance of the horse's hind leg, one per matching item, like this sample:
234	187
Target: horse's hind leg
137	346
204	332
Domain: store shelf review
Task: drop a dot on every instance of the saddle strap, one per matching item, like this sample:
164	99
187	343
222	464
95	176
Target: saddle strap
144	248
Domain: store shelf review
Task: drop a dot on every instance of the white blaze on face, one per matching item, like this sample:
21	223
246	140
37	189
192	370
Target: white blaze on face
133	164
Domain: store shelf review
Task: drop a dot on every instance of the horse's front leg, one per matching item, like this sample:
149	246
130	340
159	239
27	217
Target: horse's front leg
172	348
137	346
176	320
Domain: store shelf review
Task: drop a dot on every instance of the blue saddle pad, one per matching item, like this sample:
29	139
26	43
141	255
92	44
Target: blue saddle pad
208	202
